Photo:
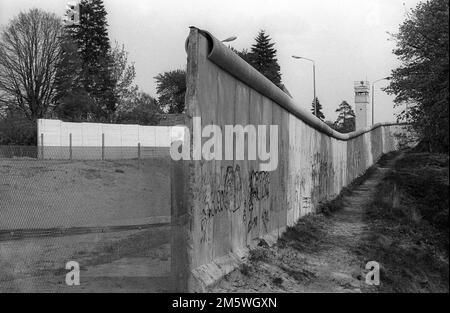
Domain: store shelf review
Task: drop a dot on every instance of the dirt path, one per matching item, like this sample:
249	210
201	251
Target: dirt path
319	254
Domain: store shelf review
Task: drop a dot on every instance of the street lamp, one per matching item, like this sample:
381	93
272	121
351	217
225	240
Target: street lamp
229	39
314	80
373	97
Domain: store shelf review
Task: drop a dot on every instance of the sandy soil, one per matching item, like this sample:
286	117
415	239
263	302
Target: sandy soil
44	194
39	196
128	261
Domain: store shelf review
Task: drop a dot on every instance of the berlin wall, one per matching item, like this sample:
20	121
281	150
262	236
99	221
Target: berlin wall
225	206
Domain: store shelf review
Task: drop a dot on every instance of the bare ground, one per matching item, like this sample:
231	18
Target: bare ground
327	252
45	194
51	197
128	261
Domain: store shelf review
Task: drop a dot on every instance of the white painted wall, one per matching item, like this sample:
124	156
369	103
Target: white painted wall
56	133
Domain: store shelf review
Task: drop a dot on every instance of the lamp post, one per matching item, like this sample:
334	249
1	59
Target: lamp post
373	97
230	39
314	80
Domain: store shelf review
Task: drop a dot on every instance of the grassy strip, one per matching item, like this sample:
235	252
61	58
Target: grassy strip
409	226
338	203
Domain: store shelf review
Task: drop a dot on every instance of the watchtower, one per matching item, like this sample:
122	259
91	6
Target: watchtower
361	103
72	14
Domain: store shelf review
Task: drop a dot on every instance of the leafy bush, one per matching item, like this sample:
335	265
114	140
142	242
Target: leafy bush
16	129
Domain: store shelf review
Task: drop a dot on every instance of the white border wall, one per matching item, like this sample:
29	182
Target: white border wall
65	140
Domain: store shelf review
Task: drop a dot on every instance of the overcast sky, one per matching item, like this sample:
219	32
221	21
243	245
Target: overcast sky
347	38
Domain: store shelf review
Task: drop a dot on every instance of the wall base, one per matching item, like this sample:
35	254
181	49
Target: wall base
208	275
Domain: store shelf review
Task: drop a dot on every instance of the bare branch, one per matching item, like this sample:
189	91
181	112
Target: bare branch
29	53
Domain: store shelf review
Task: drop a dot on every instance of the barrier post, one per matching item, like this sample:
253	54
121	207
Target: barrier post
139	154
70	146
103	146
42	146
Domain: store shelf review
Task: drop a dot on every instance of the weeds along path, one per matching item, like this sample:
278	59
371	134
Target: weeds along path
320	254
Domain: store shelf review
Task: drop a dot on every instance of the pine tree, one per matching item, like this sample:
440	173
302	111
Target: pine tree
263	58
244	54
345	121
68	80
94	48
319	109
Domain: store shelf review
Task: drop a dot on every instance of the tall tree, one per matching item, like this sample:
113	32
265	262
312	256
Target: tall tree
16	128
69	84
123	74
94	47
314	105
422	80
244	54
75	106
263	57
171	89
141	109
345	121
29	52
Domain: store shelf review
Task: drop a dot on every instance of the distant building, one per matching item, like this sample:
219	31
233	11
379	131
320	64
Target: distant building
72	14
361	103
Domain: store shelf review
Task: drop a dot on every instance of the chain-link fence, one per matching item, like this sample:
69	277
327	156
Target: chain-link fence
18	152
106	209
84	153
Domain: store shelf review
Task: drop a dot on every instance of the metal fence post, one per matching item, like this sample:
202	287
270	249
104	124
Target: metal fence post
70	146
139	154
42	146
103	146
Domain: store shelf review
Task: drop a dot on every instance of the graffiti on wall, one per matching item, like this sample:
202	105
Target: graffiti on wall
322	178
259	191
224	191
216	193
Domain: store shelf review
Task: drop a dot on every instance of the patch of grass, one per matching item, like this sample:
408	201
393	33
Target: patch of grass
277	281
338	203
385	158
301	275
245	269
306	234
409	227
421	180
259	254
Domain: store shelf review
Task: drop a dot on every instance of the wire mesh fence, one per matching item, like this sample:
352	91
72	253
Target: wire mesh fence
84	153
18	151
106	208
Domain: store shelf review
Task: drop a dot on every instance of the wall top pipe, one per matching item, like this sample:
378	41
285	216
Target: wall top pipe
230	62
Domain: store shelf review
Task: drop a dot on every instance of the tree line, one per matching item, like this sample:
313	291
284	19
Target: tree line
49	69
70	72
420	84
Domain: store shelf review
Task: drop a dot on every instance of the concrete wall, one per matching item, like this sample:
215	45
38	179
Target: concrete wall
114	141
228	204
